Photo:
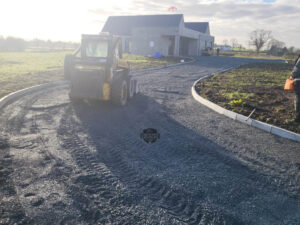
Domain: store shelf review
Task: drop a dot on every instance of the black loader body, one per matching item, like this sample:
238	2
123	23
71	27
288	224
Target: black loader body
95	71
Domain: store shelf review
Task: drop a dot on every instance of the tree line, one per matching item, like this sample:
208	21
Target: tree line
9	44
263	39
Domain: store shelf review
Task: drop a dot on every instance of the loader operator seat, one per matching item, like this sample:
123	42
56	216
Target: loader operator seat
96	49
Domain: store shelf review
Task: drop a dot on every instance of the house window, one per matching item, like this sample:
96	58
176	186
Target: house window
151	44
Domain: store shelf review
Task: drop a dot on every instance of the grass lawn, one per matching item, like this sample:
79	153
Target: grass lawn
256	86
20	70
256	56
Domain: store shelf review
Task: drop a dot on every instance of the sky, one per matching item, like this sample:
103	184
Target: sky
66	20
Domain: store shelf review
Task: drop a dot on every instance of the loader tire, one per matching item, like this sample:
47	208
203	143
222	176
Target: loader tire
131	87
68	64
136	87
119	94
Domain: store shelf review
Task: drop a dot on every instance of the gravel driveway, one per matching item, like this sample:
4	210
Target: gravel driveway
85	163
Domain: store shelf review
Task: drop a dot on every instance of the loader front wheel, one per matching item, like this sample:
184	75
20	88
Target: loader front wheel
119	93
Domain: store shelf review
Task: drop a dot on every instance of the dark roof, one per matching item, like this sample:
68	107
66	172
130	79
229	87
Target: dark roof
198	26
122	25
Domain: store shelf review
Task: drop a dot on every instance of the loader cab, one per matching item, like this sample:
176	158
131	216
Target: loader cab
101	49
95	49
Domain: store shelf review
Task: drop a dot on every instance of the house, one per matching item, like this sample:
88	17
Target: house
167	34
225	47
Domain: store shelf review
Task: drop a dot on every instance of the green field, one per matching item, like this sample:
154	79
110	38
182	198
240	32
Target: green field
254	55
20	70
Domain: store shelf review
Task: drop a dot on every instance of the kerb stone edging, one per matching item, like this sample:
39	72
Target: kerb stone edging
241	118
8	98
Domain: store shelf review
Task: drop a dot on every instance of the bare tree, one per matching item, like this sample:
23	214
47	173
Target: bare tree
240	46
276	47
291	49
273	42
234	43
259	38
225	42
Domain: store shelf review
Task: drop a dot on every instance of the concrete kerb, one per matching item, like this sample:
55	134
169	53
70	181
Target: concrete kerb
10	97
241	118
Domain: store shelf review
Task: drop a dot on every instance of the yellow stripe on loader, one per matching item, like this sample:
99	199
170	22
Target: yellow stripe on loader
106	91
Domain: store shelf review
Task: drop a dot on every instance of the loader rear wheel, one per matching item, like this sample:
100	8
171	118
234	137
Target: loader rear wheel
68	63
119	93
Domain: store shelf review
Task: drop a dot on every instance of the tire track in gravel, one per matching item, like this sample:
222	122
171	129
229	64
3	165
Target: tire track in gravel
111	177
33	128
11	209
180	205
111	201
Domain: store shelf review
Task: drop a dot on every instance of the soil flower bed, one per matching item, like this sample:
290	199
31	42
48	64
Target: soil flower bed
256	86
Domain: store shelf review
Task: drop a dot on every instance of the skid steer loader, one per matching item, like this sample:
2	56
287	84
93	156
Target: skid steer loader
95	70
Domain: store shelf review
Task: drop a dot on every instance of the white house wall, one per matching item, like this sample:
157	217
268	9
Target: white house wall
185	32
142	37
